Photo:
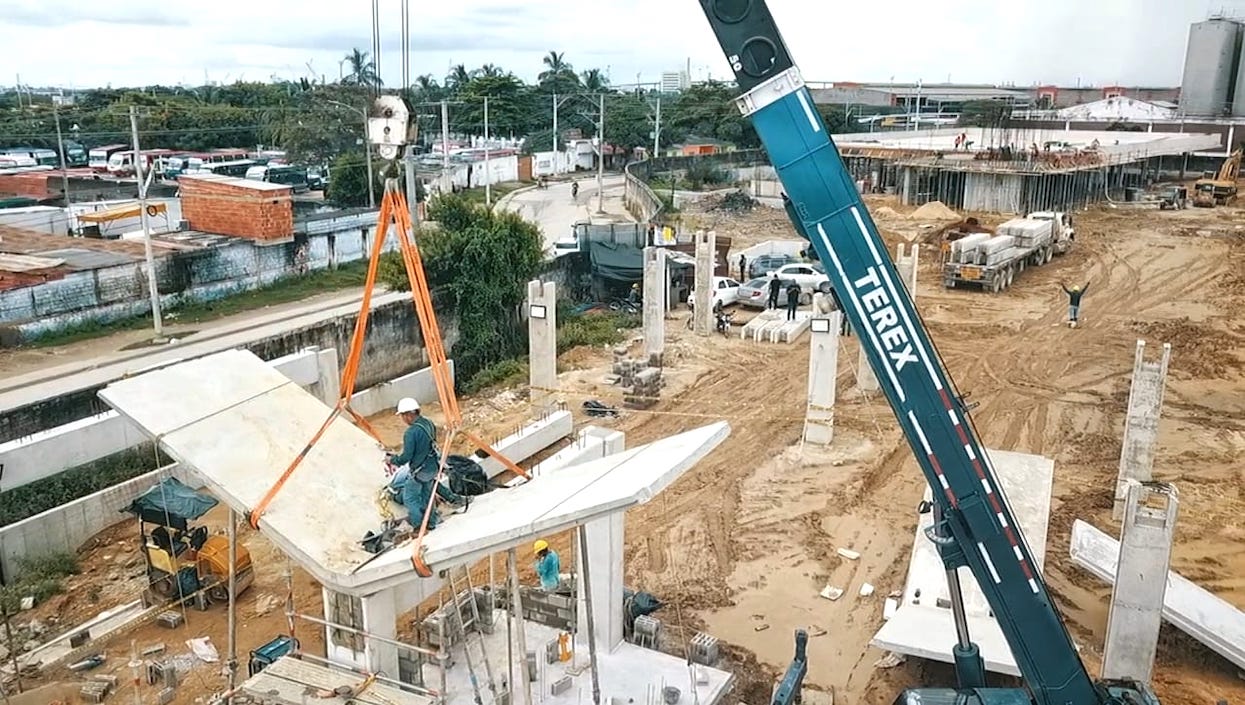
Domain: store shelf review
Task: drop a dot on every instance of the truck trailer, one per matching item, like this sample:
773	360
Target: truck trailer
993	261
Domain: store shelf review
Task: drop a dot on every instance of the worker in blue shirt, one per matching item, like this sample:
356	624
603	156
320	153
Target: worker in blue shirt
548	565
418	464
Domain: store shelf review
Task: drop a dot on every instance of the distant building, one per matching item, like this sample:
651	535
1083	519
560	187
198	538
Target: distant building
675	81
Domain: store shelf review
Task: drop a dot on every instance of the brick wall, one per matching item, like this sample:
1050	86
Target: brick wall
244	208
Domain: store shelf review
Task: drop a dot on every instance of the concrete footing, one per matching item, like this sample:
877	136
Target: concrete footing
1141	426
542	346
773	327
1136	612
823	364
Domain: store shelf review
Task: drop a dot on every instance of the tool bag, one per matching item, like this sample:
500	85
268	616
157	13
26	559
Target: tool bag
466	477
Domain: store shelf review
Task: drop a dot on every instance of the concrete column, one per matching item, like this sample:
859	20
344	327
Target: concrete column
605	550
375	614
1141	426
1140	580
905	186
328	368
655	285
906	264
706	247
866	381
823	365
542	343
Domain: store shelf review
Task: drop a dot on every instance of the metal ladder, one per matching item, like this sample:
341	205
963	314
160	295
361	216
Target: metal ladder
473	623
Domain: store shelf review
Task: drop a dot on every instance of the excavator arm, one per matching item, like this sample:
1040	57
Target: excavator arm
975	526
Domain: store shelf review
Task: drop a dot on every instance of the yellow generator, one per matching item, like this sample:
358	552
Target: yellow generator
185	561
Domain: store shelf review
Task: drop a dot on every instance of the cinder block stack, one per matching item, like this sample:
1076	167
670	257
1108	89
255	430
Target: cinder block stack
557	611
431	628
704	649
645	388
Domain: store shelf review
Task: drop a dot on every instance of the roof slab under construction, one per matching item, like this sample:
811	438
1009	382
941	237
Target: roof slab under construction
1069	150
239	423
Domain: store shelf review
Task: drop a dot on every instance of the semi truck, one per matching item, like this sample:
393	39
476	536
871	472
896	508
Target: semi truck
993	261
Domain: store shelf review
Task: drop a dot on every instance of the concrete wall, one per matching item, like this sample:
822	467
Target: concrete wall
66	527
114	293
997	193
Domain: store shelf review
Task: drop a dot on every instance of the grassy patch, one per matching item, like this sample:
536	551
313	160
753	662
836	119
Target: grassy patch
282	291
41	495
593	329
499	374
42	577
476	195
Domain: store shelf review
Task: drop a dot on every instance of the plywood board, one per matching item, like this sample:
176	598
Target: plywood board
920	627
1193	610
291	681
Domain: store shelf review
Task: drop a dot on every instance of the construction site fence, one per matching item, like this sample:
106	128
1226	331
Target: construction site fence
646	206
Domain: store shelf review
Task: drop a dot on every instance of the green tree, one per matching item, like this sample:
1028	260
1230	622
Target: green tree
594	81
348	186
457	79
627	121
481	259
511	105
362	70
707	110
559	75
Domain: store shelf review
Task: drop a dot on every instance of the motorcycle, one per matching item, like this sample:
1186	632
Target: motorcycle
722	322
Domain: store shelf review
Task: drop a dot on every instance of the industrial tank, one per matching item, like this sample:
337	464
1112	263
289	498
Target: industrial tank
1210	67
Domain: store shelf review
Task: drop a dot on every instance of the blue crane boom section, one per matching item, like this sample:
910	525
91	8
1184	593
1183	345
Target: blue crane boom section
828	210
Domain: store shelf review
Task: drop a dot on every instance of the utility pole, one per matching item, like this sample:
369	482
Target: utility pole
412	190
232	663
371	173
60	146
601	157
488	173
153	288
555	133
446	184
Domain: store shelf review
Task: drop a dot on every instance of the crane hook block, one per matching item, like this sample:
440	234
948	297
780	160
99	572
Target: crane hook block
390	126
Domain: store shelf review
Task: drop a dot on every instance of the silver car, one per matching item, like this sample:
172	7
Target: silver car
755	294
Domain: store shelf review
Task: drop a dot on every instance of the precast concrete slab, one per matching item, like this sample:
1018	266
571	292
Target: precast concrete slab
1191	609
923	624
627	674
773	327
247	423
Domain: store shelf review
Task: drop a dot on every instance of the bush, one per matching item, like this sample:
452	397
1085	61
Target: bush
42	577
482	260
594	329
701	174
39	496
498	374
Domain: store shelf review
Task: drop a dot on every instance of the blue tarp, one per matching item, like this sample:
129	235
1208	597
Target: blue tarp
171	502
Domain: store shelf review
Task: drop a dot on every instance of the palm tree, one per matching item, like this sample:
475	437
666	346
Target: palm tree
427	88
362	70
594	81
458	78
490	71
558	76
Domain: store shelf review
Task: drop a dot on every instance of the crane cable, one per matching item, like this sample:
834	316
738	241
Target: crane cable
394	208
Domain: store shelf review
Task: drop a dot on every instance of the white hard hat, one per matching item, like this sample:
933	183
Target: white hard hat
407	405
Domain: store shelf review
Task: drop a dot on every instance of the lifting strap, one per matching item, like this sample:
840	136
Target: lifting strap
394	208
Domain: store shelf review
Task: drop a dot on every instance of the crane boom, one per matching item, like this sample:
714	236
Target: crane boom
827	209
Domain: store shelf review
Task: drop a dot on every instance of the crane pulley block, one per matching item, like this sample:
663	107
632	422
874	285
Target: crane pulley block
390	126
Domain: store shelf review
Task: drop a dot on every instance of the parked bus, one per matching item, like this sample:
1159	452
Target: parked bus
41	157
236	168
98	157
15	161
285	174
75	155
122	163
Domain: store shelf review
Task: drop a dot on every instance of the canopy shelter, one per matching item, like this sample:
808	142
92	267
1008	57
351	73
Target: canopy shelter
172	503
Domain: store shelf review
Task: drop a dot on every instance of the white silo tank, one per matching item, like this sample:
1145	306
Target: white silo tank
1210	67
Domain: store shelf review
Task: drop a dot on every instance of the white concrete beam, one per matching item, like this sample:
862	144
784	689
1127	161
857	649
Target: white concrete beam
823	365
1141	425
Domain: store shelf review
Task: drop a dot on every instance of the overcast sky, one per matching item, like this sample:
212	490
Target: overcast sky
82	43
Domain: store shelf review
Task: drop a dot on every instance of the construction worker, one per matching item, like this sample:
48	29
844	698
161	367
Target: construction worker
743	268
1074	301
417	465
548	565
793	300
775	286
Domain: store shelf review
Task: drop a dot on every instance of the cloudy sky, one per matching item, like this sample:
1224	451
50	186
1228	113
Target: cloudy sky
82	43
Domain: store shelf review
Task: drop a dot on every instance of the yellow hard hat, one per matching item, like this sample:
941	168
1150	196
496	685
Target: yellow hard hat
1076	288
540	545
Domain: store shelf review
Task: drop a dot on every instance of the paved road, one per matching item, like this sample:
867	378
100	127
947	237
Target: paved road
555	211
20	390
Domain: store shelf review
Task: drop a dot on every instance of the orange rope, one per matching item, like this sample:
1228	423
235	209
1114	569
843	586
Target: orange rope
394	208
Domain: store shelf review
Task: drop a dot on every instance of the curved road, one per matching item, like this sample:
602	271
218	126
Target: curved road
554	211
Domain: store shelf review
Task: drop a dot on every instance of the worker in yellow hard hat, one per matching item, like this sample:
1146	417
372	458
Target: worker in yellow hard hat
548	565
1074	302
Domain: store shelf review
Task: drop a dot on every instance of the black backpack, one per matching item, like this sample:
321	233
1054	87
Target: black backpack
466	477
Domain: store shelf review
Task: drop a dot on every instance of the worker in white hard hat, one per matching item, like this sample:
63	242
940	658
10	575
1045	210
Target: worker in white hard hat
548	565
417	467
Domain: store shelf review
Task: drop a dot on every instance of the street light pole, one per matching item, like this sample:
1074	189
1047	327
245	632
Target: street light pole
601	157
153	288
488	173
656	129
60	146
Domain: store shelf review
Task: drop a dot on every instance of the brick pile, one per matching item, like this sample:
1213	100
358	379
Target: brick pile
641	382
220	205
443	619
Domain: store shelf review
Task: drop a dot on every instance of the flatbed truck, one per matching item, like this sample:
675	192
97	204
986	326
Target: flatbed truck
992	262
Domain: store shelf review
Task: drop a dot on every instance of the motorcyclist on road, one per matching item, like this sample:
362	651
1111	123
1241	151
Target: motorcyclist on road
574	190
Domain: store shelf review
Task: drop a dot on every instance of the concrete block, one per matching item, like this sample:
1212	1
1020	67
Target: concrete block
531	666
165	696
561	685
170	619
704	649
152	650
551	651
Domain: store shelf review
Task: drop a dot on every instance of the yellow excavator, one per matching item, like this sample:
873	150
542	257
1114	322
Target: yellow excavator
1221	190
